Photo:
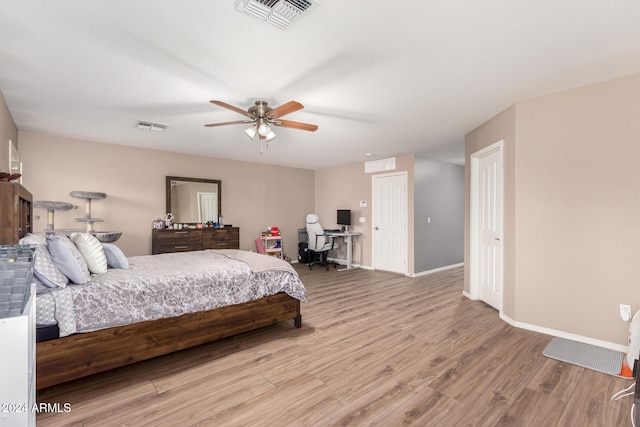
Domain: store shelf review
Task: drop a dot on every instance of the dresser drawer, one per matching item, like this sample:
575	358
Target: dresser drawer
178	241
221	238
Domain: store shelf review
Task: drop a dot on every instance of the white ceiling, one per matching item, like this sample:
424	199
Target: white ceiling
376	77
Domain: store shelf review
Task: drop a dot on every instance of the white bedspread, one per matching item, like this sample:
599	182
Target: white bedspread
167	285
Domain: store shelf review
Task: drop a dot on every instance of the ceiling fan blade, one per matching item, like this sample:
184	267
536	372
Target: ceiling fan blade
295	125
237	122
287	108
232	108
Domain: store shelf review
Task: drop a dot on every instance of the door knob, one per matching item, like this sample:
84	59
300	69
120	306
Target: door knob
376	228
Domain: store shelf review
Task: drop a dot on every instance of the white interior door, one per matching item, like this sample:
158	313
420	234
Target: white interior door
488	227
389	222
207	207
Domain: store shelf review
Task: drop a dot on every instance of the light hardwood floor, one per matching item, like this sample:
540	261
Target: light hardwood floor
375	349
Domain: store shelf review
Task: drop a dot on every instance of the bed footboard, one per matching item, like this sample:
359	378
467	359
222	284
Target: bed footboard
79	355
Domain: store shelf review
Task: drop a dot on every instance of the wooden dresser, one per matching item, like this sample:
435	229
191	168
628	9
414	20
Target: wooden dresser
16	212
164	241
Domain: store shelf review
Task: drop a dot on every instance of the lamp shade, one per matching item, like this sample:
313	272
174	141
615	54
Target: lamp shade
270	136
251	131
263	128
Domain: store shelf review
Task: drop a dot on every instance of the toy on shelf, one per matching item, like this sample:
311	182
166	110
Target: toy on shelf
270	243
271	231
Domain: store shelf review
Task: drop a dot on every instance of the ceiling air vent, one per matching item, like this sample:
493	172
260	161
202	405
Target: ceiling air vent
281	13
158	127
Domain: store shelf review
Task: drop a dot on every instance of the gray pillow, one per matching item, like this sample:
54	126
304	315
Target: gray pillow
46	270
33	239
68	259
43	266
115	257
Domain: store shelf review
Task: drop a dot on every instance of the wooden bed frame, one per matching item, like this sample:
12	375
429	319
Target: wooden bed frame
79	355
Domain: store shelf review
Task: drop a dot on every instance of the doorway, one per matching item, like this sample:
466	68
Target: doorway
486	228
207	207
389	221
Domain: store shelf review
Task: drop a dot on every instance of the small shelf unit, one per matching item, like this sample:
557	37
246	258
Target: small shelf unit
272	245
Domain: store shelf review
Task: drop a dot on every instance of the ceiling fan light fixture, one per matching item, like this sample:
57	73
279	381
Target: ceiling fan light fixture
270	136
263	128
262	118
251	132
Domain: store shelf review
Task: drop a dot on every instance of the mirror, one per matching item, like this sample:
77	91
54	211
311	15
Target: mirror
193	200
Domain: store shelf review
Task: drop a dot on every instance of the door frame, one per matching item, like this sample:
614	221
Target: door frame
474	219
405	176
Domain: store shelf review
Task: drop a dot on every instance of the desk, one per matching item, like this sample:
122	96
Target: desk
347	238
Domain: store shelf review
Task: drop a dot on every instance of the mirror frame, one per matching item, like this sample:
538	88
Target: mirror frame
181	178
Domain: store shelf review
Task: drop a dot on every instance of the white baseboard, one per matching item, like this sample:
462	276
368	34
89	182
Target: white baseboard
556	333
566	335
435	270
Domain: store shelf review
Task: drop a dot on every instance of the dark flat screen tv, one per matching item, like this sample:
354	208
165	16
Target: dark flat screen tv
344	217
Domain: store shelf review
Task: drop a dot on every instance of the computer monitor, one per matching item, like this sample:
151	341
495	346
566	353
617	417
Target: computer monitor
344	217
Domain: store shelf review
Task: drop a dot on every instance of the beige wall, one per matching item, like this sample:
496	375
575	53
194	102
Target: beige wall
8	132
574	218
254	196
343	187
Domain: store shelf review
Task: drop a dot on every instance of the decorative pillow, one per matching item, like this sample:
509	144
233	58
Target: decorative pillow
91	250
44	269
41	288
115	257
33	239
68	259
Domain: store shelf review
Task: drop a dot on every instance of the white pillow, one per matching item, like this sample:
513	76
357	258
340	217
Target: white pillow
68	259
115	257
91	249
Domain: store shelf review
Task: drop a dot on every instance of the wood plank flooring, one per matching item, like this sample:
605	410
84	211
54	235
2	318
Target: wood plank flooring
375	349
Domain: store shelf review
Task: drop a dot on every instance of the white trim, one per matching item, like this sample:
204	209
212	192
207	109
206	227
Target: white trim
435	270
572	337
560	334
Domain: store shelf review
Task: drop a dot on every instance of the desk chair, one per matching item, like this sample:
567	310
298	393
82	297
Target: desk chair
319	244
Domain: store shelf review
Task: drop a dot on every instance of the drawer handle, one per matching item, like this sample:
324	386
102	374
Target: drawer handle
180	232
222	244
180	247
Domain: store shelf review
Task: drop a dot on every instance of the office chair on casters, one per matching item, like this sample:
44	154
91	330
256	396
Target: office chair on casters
319	243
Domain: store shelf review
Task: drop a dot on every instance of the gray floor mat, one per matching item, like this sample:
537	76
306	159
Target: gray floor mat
585	355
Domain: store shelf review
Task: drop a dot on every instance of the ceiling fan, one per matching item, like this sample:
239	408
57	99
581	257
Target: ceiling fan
261	117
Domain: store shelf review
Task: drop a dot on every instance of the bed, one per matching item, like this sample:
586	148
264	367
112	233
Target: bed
161	304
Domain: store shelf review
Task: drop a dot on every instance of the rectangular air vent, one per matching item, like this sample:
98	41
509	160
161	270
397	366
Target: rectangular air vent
281	13
158	127
380	165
